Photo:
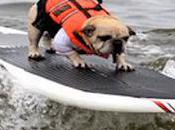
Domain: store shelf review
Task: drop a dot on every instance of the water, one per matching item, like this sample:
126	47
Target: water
154	21
147	14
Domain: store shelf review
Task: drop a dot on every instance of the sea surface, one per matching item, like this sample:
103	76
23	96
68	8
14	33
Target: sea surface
154	22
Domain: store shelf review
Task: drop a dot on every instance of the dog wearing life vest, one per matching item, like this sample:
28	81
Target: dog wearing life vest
88	26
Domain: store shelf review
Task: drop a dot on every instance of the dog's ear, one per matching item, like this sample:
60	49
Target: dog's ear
89	30
131	31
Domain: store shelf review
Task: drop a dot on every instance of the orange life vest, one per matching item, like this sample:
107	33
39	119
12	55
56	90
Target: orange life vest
71	14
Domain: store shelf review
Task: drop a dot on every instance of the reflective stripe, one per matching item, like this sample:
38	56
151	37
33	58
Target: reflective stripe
58	5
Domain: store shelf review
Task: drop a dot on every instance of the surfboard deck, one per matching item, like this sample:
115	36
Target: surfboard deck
99	78
98	88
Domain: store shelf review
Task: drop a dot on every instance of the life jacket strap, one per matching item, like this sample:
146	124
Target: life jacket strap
81	40
89	48
98	7
84	11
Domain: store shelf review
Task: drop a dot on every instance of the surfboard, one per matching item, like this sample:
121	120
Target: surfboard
100	87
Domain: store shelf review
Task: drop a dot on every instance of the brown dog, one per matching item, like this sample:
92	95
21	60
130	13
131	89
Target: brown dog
107	35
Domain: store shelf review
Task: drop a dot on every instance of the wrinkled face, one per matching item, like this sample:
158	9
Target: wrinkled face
106	33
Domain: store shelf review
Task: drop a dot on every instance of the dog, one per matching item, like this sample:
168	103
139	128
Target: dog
104	34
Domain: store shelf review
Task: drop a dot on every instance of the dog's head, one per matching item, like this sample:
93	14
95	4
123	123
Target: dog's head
105	33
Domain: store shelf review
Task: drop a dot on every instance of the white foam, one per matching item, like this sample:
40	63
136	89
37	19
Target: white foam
6	30
141	36
169	69
5	46
152	49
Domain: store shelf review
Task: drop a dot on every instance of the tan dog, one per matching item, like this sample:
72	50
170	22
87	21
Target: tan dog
107	35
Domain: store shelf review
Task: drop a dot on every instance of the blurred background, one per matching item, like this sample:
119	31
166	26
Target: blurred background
154	46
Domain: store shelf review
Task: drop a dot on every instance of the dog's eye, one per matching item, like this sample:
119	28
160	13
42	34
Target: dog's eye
125	38
105	38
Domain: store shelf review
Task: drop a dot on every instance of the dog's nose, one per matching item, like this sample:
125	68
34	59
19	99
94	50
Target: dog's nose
117	42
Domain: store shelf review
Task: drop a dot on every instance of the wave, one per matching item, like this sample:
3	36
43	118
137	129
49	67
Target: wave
5	30
161	30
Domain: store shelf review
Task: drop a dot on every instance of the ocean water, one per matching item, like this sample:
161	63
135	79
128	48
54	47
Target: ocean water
154	21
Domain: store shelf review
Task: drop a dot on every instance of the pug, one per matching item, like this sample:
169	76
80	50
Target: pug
104	34
109	35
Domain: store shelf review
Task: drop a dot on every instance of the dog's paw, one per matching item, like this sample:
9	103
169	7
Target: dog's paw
50	51
125	67
35	56
79	64
76	60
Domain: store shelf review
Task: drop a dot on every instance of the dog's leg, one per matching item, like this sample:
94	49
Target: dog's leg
76	60
119	57
34	35
47	41
122	65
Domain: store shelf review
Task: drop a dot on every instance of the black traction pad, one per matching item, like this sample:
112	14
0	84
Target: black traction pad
100	78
